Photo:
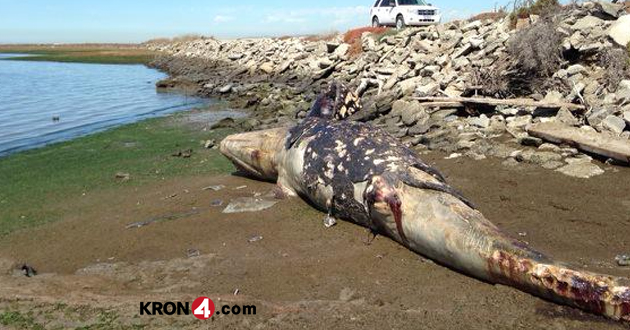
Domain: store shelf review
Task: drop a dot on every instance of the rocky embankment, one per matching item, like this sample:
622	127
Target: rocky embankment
483	88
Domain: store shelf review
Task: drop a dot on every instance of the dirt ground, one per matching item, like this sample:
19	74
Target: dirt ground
302	275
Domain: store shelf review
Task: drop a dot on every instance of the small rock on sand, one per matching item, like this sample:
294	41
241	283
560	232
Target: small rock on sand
582	169
249	204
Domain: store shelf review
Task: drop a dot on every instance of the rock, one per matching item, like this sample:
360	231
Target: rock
619	31
249	204
209	144
552	165
581	169
226	89
531	141
566	117
626	117
612	9
519	121
587	23
235	56
267	67
554	97
123	177
476	42
575	69
331	47
614	124
597	116
411	112
623	91
482	121
463	51
472	26
342	50
408	86
429	89
623	260
215	187
592	142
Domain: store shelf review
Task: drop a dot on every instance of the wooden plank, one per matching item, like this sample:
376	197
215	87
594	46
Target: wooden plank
593	142
508	102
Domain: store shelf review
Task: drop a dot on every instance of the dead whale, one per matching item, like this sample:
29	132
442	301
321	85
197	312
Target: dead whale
359	173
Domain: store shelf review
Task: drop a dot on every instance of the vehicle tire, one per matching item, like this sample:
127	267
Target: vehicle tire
400	22
375	22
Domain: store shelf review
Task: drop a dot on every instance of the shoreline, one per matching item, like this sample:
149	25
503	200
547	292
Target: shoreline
35	179
93	54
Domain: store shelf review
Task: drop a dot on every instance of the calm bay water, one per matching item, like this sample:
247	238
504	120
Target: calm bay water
85	97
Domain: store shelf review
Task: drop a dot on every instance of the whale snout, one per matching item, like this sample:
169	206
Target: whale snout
256	153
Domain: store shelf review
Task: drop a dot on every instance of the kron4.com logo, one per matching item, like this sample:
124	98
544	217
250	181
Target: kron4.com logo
202	308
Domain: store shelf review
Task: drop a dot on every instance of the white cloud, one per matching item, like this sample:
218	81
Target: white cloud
222	19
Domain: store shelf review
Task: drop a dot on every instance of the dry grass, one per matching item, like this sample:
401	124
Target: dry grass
537	49
526	8
182	38
353	38
616	62
321	37
493	15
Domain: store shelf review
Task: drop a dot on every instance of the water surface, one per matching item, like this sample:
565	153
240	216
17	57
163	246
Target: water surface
85	98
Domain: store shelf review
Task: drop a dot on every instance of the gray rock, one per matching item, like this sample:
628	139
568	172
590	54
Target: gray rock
597	116
623	260
235	56
566	116
482	121
614	124
411	112
471	26
226	89
429	89
587	23
626	117
581	169
463	51
619	31
552	165
623	91
342	50
531	141
612	9
267	67
575	69
408	86
554	97
249	204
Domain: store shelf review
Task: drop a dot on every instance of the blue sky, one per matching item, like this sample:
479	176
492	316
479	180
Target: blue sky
68	21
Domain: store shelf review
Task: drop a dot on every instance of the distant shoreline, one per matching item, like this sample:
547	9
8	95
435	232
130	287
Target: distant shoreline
82	53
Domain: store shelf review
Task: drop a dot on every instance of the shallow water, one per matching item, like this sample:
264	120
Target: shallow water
85	98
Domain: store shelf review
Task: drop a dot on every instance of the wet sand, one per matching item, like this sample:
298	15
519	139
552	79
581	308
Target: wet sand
304	275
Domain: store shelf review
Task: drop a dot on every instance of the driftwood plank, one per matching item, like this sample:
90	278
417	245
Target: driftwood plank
593	142
495	102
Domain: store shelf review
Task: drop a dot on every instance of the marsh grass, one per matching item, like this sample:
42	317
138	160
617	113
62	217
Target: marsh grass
35	184
102	54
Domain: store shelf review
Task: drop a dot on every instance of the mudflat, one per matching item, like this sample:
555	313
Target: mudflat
95	270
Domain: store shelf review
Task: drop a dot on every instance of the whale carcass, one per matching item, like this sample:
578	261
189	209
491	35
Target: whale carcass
359	173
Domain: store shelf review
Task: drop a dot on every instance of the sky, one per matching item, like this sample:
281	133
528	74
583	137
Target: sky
77	21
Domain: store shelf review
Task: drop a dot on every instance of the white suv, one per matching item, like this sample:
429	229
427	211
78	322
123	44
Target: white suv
403	12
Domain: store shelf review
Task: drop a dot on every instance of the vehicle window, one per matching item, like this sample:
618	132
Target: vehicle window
385	3
376	3
412	2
